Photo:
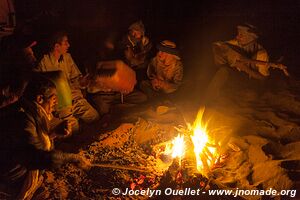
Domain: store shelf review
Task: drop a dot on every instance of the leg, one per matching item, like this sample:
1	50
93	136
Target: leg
135	97
84	111
103	101
216	84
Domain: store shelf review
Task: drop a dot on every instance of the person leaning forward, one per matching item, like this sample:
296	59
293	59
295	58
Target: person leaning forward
27	140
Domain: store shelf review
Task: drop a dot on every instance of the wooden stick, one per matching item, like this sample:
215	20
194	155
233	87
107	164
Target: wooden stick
120	167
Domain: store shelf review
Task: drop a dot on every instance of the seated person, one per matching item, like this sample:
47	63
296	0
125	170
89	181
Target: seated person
245	44
238	57
136	48
57	59
165	71
113	82
28	142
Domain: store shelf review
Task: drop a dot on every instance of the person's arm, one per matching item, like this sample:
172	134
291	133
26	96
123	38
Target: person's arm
76	80
33	151
137	57
172	85
147	45
74	72
219	52
262	55
41	66
151	70
228	54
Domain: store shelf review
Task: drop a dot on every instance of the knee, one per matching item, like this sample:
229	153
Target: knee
91	116
95	115
103	109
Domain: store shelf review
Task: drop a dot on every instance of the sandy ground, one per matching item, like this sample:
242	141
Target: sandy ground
259	131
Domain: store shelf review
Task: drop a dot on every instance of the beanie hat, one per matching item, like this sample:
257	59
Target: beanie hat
168	47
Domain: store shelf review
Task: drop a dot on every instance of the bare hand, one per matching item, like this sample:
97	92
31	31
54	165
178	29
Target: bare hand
82	162
284	69
64	129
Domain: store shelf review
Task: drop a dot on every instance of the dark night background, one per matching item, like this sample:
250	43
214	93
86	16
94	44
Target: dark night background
193	25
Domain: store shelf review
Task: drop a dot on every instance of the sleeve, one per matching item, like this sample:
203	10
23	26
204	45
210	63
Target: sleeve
223	55
219	52
151	70
32	155
262	55
41	66
30	152
178	74
74	72
172	85
147	45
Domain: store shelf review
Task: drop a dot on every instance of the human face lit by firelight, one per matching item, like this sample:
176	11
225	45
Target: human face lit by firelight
50	101
244	37
136	34
64	45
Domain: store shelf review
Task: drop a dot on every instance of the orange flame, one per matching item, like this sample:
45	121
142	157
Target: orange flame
176	147
205	148
203	145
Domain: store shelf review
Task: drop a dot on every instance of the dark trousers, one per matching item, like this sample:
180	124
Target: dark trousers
103	101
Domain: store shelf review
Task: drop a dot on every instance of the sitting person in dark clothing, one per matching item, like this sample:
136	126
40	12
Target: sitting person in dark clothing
27	141
136	48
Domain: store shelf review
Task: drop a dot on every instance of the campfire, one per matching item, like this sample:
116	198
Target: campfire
146	155
194	143
150	156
